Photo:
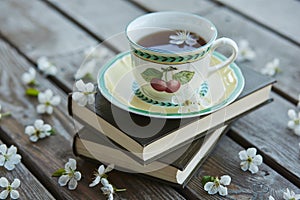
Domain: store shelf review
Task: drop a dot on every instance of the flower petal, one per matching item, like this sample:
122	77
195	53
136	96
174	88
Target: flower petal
95	182
109	168
80	98
9	166
14	194
77	176
223	190
3	149
292	114
2	160
225	180
48	94
72	163
49	110
243	155
244	165
15	159
38	124
16	183
251	152
89	87
297	130
12	150
55	100
291	124
80	85
101	170
253	168
4	182
63	180
72	184
91	98
41	108
29	130
4	194
46	128
104	181
33	138
257	160
42	98
208	186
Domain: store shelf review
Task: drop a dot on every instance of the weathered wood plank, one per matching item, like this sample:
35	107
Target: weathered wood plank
194	6
224	160
267	129
267	46
30	187
280	16
46	156
40	31
105	18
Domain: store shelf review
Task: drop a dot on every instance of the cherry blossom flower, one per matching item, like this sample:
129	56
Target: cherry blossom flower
182	37
250	161
290	195
271	68
107	189
218	185
45	66
9	157
189	101
3	114
271	198
69	175
294	122
38	131
28	78
47	101
85	93
101	173
245	52
9	188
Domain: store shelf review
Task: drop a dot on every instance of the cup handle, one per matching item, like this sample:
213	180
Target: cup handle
224	42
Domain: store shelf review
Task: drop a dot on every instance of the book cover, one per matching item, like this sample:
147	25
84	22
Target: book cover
175	132
176	167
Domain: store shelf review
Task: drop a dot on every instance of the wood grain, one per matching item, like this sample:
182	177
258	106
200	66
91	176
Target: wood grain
271	135
224	160
30	187
267	46
280	16
50	154
195	6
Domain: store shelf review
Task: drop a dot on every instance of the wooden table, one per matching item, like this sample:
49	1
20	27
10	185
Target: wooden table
61	30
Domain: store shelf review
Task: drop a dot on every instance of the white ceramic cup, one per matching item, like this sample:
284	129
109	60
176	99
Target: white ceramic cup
174	71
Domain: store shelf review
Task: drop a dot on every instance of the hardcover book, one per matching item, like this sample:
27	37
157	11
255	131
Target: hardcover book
176	167
134	135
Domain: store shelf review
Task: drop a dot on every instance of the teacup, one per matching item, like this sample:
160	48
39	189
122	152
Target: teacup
171	52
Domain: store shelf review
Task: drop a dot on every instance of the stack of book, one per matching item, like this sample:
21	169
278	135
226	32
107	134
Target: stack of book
173	154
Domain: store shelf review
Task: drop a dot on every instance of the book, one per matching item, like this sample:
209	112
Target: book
175	132
177	167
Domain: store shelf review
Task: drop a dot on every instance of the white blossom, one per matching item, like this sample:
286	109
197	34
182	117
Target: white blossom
70	175
218	186
85	93
100	173
9	188
87	69
245	52
271	68
29	77
290	195
271	198
250	161
47	101
182	37
294	122
189	101
9	157
38	131
107	189
46	66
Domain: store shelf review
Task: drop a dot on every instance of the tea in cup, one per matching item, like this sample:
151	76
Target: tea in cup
171	52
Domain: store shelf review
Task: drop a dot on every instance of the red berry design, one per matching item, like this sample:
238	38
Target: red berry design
158	84
172	86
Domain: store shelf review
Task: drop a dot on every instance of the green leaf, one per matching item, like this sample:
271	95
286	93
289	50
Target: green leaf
206	179
32	92
59	172
151	73
52	132
184	76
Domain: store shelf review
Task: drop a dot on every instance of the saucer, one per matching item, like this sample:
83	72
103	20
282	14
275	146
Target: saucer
117	85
